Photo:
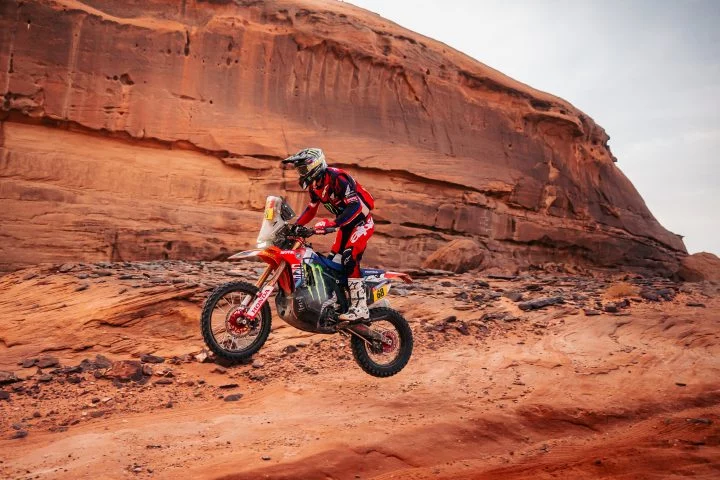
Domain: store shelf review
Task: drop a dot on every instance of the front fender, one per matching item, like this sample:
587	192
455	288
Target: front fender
253	255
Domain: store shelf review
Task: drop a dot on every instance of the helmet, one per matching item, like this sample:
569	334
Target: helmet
310	164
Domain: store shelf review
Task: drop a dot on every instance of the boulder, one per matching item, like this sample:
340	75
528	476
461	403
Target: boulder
700	267
458	256
125	371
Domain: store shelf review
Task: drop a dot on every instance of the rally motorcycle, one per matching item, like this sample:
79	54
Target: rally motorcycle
312	294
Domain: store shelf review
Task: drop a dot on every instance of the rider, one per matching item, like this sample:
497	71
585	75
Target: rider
351	204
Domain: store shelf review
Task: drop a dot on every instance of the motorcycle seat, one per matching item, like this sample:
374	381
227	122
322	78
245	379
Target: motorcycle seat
329	263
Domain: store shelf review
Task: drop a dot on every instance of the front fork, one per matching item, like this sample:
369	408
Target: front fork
266	286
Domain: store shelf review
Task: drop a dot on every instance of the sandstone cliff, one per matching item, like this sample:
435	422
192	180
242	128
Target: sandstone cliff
153	129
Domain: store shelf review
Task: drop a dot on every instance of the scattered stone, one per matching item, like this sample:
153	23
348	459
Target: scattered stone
74	379
47	362
463	308
533	287
681	384
462	328
450	319
219	369
695	304
147	370
4	395
258	363
493	316
37	414
66	267
590	312
461	296
501	276
266	457
202	356
45	378
611	308
703	421
514	296
97	413
446	283
481	284
650	295
82	286
228	386
164	381
624	303
666	293
100	363
19	434
234	397
30	276
147	358
29	362
289	349
125	371
540	303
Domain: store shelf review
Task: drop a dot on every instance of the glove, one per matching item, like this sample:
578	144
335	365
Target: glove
322	226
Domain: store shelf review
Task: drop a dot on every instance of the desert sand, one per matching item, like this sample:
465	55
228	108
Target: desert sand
618	381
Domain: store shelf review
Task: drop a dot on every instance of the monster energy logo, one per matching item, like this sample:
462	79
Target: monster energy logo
332	208
318	281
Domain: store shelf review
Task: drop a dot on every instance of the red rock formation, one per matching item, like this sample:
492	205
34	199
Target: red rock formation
700	267
152	129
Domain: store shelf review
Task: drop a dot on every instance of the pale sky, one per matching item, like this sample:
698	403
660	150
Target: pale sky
646	71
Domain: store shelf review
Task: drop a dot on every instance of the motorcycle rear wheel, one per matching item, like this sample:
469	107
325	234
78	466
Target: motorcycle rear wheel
253	336
397	331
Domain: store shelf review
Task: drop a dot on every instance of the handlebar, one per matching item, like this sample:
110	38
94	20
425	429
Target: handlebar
304	232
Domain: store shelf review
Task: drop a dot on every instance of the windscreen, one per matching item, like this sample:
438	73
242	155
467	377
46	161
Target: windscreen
272	221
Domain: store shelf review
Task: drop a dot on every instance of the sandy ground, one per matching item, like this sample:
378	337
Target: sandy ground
567	391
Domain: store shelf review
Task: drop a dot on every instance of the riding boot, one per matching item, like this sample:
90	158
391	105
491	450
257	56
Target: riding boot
358	301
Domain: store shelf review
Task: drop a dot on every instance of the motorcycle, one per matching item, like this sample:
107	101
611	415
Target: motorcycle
311	294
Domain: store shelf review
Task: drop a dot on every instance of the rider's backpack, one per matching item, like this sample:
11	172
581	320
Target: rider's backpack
365	195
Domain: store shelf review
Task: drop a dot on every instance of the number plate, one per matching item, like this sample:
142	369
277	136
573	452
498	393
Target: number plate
379	293
269	213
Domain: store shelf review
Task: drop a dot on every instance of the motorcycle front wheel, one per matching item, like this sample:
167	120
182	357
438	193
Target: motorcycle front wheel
389	355
225	330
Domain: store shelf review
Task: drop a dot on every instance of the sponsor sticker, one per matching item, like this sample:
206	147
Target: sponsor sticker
259	301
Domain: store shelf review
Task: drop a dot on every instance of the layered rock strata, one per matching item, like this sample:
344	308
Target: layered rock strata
153	129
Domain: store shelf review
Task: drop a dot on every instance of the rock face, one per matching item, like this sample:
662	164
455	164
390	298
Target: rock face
153	129
700	267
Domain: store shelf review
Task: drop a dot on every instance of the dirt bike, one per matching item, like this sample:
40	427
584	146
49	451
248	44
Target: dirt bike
312	293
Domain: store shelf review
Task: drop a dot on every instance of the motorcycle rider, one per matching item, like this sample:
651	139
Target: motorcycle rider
351	204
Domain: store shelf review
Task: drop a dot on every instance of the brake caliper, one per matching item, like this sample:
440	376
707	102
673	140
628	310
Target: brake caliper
237	323
389	342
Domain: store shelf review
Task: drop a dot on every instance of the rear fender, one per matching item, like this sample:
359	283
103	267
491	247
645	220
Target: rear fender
399	276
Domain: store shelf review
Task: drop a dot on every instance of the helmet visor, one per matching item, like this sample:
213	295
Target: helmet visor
307	166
